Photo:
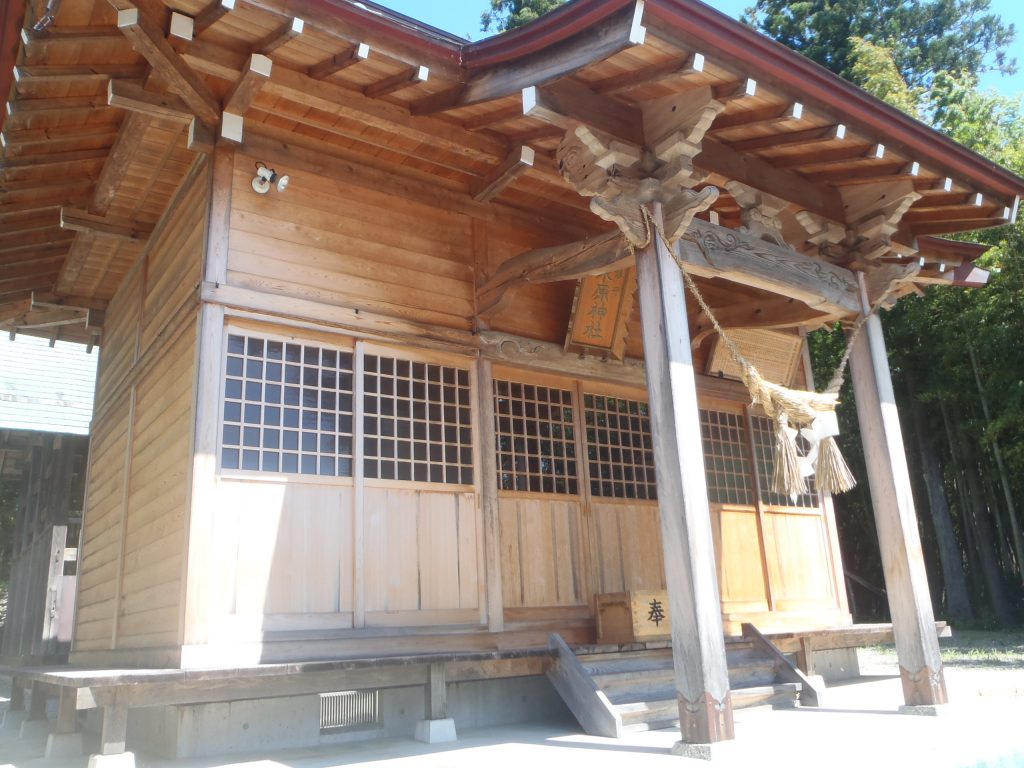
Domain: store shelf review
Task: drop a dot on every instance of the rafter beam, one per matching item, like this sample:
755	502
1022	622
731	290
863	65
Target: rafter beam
807	137
718	159
211	14
721	253
618	32
31	137
135	98
284	34
247	87
149	40
56	73
54	158
404	79
518	162
123	229
673	68
339	61
567	104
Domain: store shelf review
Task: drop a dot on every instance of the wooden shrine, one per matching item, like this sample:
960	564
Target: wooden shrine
392	362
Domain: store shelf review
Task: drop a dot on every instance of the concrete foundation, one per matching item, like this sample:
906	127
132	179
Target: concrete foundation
64	745
13	720
123	760
294	721
837	664
435	731
36	729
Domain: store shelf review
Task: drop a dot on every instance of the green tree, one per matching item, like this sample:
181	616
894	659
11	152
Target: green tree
926	36
510	14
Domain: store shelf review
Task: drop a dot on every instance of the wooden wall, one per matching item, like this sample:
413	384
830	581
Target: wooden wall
332	242
137	495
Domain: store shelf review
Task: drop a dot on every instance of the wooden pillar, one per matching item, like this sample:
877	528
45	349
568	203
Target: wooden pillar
488	483
115	730
67	711
436	693
906	582
698	642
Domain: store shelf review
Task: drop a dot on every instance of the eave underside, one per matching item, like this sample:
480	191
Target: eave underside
415	108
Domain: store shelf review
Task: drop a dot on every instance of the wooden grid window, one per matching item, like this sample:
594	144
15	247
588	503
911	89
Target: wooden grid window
287	408
535	439
764	446
726	462
417	421
619	450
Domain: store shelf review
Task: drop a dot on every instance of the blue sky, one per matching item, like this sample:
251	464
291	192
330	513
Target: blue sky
462	17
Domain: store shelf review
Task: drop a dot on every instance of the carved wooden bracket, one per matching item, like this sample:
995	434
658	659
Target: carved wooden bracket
887	283
873	214
759	212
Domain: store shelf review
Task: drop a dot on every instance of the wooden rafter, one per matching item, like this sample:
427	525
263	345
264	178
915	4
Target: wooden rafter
566	104
404	79
135	98
148	39
805	138
339	61
247	87
518	162
83	221
280	36
673	68
31	137
81	73
211	14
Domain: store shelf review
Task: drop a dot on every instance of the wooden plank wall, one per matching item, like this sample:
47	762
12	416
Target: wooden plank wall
133	536
332	242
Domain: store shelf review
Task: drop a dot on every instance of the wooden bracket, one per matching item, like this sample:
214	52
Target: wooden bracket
886	283
255	75
759	212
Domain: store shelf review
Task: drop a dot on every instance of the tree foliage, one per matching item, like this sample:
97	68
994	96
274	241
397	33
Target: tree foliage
931	340
510	14
926	36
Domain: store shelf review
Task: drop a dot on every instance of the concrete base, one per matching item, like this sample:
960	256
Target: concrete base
436	731
711	752
925	710
836	664
35	729
13	720
64	745
123	760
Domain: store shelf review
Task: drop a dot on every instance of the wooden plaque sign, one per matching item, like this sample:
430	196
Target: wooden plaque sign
600	312
775	355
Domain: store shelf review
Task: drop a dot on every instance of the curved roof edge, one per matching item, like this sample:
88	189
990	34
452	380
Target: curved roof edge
718	36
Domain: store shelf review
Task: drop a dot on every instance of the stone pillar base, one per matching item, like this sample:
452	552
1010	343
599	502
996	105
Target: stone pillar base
64	745
925	710
717	751
433	731
35	729
123	760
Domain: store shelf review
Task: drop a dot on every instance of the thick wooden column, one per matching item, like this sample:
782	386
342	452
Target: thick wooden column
698	642
906	582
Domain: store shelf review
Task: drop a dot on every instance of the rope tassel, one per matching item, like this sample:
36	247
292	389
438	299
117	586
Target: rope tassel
787	478
830	470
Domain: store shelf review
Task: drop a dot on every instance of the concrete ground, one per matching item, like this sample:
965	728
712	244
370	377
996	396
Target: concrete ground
859	725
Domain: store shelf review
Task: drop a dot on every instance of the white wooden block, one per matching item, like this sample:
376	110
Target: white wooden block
433	731
182	26
231	127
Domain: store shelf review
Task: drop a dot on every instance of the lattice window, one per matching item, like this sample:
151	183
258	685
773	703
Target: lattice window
764	445
726	462
417	423
535	438
619	451
287	407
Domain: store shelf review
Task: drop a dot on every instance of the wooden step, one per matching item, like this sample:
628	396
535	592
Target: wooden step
660	712
776	695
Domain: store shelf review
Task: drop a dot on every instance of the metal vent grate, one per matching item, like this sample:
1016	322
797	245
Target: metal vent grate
349	711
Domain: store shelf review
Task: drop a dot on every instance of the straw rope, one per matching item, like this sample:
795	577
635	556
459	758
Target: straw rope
790	409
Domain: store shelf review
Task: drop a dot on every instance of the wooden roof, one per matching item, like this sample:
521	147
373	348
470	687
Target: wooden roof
98	121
